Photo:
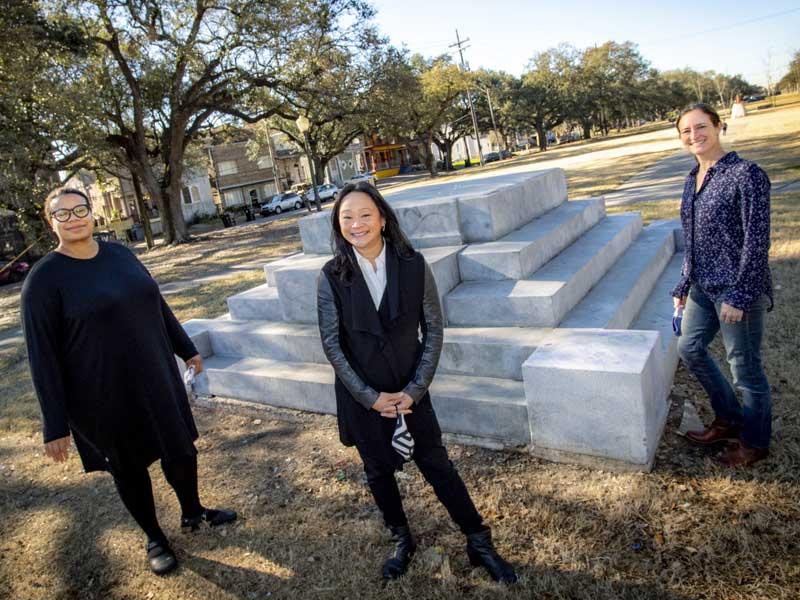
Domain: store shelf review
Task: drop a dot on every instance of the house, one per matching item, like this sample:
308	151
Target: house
240	180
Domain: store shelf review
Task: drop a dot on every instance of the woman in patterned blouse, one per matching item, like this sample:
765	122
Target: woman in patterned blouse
725	286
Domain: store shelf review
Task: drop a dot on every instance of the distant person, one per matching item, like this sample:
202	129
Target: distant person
725	286
375	297
737	110
101	345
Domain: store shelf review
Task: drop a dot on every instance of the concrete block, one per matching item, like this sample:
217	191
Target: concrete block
300	259
301	386
656	315
444	266
481	407
291	342
426	222
197	330
297	290
491	207
598	393
489	351
260	303
490	409
524	250
545	297
617	298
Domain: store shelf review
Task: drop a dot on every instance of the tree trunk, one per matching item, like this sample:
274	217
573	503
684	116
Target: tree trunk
541	135
430	164
448	155
586	125
172	197
148	232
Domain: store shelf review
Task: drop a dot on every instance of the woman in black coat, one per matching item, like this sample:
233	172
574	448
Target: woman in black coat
101	344
374	297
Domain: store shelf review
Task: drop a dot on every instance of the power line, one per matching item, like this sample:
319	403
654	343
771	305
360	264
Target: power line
721	27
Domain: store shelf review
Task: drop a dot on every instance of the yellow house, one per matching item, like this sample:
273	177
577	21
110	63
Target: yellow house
386	160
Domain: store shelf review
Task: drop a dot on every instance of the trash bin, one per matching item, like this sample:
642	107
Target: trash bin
137	232
248	214
226	220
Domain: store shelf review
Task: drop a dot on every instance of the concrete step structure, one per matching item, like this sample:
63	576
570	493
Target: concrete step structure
496	352
617	298
468	406
260	303
545	297
558	321
521	252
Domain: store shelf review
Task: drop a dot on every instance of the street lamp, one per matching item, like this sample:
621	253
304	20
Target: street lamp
303	125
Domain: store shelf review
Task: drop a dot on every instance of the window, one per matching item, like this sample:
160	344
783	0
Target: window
232	197
195	194
187	195
268	190
227	167
264	162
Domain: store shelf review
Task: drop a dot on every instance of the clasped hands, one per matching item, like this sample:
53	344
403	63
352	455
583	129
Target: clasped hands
390	405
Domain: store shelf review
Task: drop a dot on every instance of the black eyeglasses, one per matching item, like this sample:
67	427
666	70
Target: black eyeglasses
62	214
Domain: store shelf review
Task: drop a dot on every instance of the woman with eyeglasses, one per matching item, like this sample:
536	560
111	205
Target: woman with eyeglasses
101	346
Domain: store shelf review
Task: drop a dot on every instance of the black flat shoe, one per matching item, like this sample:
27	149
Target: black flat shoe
404	548
161	557
481	553
210	516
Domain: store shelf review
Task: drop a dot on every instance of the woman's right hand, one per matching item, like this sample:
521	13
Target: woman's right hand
679	302
57	449
386	404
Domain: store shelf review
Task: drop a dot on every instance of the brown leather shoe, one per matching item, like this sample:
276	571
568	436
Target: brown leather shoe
740	455
718	431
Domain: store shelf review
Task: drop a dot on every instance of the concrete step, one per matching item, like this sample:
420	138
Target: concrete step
463	210
521	252
545	297
617	298
295	279
481	407
656	315
496	352
260	303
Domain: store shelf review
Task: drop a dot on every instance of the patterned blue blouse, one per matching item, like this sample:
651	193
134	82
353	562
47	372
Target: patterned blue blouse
726	227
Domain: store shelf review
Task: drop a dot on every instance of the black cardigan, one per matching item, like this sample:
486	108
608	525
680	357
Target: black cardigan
375	351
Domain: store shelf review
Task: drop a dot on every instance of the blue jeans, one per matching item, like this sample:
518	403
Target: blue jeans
742	342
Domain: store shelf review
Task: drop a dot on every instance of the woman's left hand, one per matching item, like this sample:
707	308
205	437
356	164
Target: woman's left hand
729	314
401	408
197	362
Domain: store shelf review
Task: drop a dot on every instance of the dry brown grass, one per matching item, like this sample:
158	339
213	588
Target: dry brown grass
309	529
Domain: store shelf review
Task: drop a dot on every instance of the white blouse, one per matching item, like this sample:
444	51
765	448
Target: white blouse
375	277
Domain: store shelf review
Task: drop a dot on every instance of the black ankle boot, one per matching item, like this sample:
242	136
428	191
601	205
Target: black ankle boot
481	553
161	557
211	516
404	547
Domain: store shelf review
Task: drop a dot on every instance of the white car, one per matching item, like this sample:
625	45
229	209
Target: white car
327	191
368	177
280	203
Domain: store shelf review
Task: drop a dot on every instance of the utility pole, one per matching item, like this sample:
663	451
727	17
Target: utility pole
461	47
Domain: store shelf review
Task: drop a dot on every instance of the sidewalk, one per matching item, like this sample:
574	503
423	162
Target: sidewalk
661	181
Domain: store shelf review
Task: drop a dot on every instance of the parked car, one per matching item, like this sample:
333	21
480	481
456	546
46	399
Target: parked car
327	191
754	98
280	203
13	273
491	157
504	154
368	177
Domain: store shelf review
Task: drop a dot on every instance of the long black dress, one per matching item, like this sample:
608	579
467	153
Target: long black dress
101	345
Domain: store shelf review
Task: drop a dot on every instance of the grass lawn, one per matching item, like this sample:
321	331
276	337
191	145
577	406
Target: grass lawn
309	529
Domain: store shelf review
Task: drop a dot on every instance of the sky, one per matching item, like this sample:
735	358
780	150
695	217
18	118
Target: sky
733	37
